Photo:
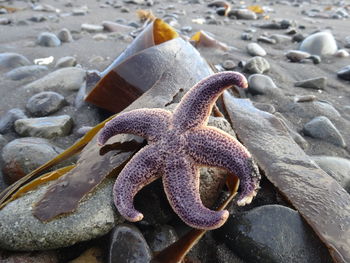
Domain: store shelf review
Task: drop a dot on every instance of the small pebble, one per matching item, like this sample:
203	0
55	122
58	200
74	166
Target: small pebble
257	65
344	73
305	98
261	84
92	28
246	36
31	71
45	103
255	49
100	37
228	64
242	14
297	55
67	61
4	21
342	53
37	18
314	83
267	40
65	35
47	39
8	119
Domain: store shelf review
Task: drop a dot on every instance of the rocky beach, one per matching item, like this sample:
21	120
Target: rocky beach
294	118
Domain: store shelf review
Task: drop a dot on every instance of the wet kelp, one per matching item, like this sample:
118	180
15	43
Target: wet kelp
322	202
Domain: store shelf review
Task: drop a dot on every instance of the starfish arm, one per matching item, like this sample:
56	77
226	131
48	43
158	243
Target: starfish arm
213	147
141	170
147	123
194	108
181	185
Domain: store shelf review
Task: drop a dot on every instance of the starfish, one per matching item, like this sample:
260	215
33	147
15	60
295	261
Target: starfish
178	144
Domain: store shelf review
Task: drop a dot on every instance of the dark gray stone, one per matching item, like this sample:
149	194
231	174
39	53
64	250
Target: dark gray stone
344	73
257	65
314	83
322	128
13	60
23	72
246	36
65	35
9	118
3	141
161	237
45	103
127	244
47	39
273	234
261	84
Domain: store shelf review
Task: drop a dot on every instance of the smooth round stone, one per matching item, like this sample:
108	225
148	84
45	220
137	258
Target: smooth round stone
228	64
45	127
259	84
322	128
4	21
267	40
337	167
246	36
62	80
314	83
297	55
344	73
65	62
47	39
255	49
257	65
272	234
299	37
65	35
26	72
161	238
45	103
342	53
128	245
242	14
321	44
7	120
21	156
92	28
13	60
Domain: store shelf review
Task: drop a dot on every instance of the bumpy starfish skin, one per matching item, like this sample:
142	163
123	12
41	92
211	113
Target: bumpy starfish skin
178	144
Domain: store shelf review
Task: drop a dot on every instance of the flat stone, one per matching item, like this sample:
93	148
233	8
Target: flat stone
94	217
257	65
344	73
281	38
337	167
255	49
128	245
65	35
13	60
7	120
314	83
321	44
65	62
272	234
92	28
261	84
23	72
21	156
47	39
228	64
242	14
45	103
297	55
267	40
61	80
116	27
322	128
45	127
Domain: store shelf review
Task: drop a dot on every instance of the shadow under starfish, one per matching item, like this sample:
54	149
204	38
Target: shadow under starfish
178	144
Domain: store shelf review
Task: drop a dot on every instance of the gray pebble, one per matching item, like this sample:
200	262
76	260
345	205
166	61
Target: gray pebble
92	28
3	11
255	49
321	44
344	73
261	84
242	14
246	36
3	141
37	18
65	35
228	64
347	42
314	83
47	39
23	72
297	55
5	21
67	61
281	38
161	237
342	53
257	65
9	118
322	128
298	37
45	103
13	60
266	40
45	127
83	130
305	98
79	11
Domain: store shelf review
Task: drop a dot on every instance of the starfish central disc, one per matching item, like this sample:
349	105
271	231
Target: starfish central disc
178	143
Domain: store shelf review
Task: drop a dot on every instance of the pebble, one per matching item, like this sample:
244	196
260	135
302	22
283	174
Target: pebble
80	11
242	14
45	103
246	36
272	233
3	11
161	238
37	18
47	39
65	35
255	49
3	141
228	64
347	42
116	27
45	127
21	156
45	8
257	65
91	255
344	73
65	62
298	37
267	40
322	128
13	60
259	84
127	244
33	257
281	38
282	24
100	37
342	53
83	130
337	167
4	21
297	55
95	216
23	72
305	98
61	80
9	118
92	28
321	44
314	83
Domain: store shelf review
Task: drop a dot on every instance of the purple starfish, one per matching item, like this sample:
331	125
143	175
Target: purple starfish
178	144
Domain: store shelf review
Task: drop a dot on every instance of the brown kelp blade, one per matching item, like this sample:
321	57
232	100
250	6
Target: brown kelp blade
75	148
177	251
170	66
320	200
117	89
